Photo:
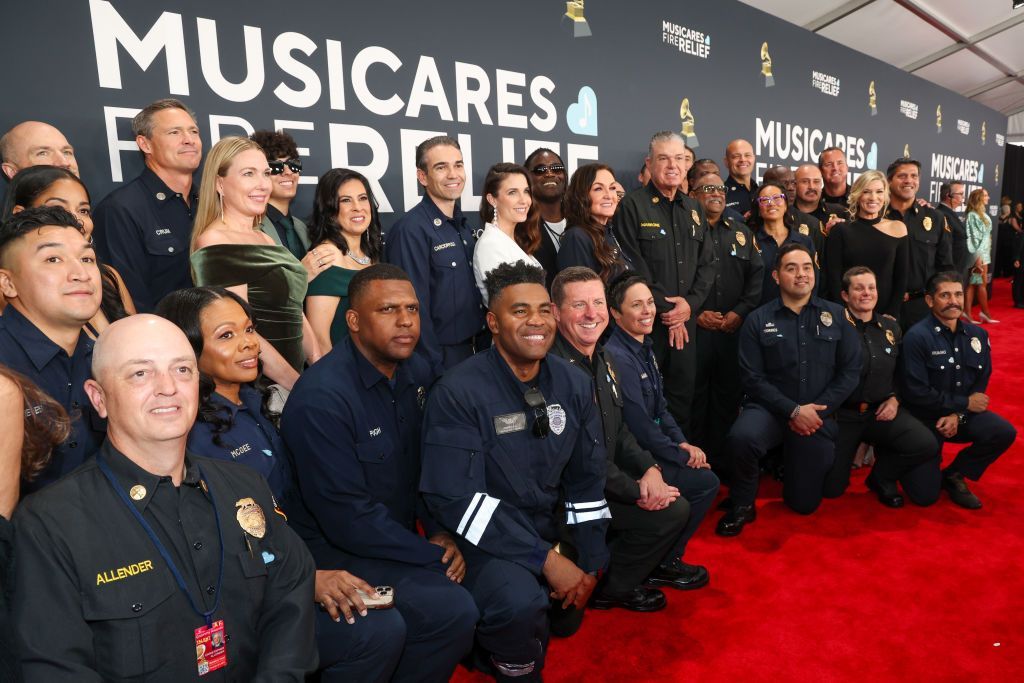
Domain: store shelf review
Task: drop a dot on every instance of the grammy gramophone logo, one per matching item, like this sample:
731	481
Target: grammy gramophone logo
983	134
938	118
906	151
872	99
766	66
687	121
997	173
574	18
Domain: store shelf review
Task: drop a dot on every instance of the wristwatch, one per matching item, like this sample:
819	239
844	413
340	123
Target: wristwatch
795	414
961	418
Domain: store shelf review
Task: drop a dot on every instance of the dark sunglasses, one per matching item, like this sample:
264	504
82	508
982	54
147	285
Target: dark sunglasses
277	167
554	168
709	189
541	424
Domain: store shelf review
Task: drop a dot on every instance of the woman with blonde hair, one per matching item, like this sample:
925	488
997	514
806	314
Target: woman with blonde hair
979	244
229	250
872	241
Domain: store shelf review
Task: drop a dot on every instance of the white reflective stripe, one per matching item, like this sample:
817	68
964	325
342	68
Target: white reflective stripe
590	505
469	513
482	519
580	517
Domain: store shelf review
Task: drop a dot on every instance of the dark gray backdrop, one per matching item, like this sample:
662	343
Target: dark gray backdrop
57	51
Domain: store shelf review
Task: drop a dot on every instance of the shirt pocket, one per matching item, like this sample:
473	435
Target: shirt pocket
826	339
128	620
654	243
254	569
163	242
776	353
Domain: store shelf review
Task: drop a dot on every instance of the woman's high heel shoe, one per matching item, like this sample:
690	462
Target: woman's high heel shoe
986	319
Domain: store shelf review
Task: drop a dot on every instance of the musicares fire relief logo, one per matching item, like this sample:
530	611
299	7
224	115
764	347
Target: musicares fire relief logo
1000	139
963	126
908	109
827	84
685	39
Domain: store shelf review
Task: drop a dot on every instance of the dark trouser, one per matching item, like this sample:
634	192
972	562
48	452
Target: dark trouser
1018	286
367	650
989	435
904	452
678	369
453	354
438	617
717	392
638	541
699	488
513	604
807	459
913	310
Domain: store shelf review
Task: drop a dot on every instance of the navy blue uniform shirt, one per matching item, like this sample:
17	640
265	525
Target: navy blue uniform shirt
788	359
251	440
942	368
143	230
495	484
354	437
738	197
644	404
577	249
437	254
25	349
739	271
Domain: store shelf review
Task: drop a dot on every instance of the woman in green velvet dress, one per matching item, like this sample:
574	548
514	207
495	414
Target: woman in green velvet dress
344	215
228	250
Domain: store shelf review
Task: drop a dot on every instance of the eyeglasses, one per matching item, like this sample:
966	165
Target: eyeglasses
711	189
277	167
554	168
541	423
773	199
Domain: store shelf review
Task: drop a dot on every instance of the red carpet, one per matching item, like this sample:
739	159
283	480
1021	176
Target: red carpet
856	591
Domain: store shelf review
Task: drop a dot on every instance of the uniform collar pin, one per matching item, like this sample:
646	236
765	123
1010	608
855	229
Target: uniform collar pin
137	492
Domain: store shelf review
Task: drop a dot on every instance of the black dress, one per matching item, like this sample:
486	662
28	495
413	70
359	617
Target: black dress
860	243
9	670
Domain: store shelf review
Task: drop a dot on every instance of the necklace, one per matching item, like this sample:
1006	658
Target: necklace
555	235
361	260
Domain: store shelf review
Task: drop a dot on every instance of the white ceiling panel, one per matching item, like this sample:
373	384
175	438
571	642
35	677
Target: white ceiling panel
888	32
960	72
969	18
1007	47
1007	96
799	12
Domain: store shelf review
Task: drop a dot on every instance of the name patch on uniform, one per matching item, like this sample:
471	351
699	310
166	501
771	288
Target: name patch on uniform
244	448
375	431
939	352
123	572
446	245
162	231
509	423
649	224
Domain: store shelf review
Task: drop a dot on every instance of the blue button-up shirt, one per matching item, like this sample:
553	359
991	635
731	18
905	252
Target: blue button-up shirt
644	405
143	230
942	368
250	439
789	359
437	253
354	437
25	349
495	484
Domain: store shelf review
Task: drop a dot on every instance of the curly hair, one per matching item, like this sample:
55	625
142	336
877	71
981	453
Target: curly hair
47	424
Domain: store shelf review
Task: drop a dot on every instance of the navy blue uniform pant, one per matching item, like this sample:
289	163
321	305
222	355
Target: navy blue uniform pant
513	604
807	459
679	369
989	436
699	488
905	451
432	624
717	392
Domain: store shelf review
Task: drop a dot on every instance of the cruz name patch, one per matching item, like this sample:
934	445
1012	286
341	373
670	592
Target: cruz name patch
123	572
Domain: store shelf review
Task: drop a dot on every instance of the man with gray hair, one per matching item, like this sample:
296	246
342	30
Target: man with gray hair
663	232
34	143
143	228
159	562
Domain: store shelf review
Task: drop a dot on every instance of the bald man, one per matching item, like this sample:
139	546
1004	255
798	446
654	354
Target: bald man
147	560
740	186
34	143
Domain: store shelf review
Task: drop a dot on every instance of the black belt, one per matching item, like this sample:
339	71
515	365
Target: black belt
861	406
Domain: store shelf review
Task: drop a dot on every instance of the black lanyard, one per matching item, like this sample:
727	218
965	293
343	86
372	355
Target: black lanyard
208	616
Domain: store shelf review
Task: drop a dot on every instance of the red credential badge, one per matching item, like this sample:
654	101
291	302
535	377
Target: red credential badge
211	648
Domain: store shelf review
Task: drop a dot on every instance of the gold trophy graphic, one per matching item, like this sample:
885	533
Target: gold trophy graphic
766	66
574	13
983	132
906	151
686	117
997	173
872	100
938	118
